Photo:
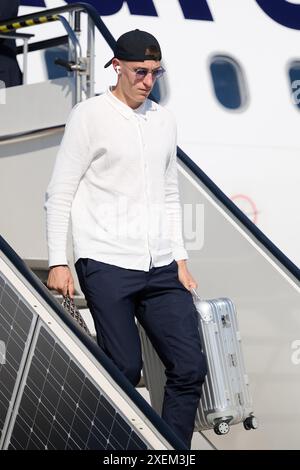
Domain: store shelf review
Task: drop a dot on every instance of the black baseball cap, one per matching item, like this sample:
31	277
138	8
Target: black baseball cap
137	46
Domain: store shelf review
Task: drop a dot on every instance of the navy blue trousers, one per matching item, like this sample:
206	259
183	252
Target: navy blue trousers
165	308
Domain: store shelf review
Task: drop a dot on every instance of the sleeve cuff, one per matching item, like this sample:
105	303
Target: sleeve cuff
180	253
57	259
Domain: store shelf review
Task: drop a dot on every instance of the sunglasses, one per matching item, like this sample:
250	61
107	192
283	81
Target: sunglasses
141	73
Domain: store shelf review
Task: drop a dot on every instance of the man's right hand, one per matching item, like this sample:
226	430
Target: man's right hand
60	278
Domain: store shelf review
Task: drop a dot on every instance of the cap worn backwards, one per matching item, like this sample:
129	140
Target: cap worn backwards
137	46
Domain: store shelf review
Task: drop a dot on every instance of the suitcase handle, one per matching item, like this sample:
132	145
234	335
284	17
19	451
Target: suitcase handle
204	312
195	294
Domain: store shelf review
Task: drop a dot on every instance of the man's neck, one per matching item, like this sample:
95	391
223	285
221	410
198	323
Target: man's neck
118	93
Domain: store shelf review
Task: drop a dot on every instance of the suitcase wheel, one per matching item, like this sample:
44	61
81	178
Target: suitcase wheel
250	423
221	428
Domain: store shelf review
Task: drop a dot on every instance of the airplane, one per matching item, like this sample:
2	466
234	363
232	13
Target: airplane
233	83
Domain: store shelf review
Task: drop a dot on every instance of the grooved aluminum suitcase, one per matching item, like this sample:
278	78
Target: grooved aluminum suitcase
225	396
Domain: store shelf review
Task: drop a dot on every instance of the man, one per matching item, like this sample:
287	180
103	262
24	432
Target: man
10	72
116	172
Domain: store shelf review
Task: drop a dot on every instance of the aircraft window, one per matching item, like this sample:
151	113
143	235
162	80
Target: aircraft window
228	81
294	75
156	92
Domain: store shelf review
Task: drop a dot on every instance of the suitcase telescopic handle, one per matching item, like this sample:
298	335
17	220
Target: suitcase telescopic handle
204	310
195	294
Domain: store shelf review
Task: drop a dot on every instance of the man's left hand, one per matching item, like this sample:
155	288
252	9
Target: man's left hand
185	276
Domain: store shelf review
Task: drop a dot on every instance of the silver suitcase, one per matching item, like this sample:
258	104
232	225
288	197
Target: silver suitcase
226	398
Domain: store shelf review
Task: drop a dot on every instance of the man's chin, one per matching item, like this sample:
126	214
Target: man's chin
141	98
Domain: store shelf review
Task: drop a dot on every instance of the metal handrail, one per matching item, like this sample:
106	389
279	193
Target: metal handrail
77	55
79	66
71	34
52	15
25	38
239	215
16	35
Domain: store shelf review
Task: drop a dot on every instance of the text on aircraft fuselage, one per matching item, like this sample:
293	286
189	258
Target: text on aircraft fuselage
281	11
